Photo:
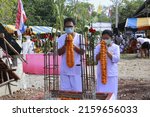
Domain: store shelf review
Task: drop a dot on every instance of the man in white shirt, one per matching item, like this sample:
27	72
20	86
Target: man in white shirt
70	78
28	46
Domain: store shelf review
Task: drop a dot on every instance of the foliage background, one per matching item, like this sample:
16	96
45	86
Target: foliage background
52	12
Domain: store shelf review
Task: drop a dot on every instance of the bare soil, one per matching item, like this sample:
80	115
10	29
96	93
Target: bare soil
134	89
134	82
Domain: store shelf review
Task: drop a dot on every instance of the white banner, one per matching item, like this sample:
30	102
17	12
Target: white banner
74	108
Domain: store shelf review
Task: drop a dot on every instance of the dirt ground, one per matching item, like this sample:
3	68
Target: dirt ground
134	82
134	78
134	89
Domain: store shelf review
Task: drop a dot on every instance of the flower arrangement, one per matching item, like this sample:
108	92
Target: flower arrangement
103	61
93	36
69	51
43	43
92	30
91	39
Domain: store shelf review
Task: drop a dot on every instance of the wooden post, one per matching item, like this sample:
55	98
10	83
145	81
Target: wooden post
3	37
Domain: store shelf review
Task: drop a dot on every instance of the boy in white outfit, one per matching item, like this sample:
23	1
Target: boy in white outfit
113	57
70	78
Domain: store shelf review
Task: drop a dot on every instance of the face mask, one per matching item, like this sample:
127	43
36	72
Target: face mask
108	42
69	30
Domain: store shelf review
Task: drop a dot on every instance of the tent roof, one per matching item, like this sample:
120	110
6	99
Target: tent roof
36	29
42	29
137	23
10	28
101	26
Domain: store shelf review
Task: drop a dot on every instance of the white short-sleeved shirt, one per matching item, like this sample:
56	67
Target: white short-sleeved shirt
112	66
28	46
64	69
147	40
141	40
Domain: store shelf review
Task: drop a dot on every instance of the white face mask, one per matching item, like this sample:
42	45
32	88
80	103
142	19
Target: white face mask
108	42
69	30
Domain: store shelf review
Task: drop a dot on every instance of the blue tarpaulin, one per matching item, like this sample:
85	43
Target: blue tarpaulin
137	23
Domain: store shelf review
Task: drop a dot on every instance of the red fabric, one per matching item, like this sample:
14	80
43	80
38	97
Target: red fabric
144	28
20	14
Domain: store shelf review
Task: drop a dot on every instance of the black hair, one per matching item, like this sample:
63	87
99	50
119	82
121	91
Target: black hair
108	32
15	32
69	19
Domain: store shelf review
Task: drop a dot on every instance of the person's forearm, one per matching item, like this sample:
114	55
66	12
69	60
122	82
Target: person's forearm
78	50
62	50
98	57
109	55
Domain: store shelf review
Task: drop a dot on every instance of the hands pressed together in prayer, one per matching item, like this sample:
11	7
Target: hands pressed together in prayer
109	54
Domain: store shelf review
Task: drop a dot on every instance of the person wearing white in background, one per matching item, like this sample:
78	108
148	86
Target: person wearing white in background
70	78
145	45
28	46
113	57
147	39
18	34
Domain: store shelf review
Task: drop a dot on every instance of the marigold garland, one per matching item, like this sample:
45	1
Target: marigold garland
103	61
69	51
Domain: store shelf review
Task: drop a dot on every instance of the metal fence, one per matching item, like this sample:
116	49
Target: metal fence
52	76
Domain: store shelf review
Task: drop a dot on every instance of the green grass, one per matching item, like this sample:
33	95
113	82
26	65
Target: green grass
128	56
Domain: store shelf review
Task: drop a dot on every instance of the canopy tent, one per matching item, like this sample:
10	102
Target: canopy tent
42	29
10	28
138	23
36	29
101	26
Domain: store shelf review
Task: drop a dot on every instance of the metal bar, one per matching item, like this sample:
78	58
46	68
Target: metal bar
82	67
57	68
6	82
53	67
9	88
87	73
1	78
89	67
93	70
49	83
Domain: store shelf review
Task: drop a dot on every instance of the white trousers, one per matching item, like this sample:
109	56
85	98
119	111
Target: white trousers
111	86
70	82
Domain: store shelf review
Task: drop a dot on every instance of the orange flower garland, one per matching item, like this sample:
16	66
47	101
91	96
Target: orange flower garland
103	61
69	51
